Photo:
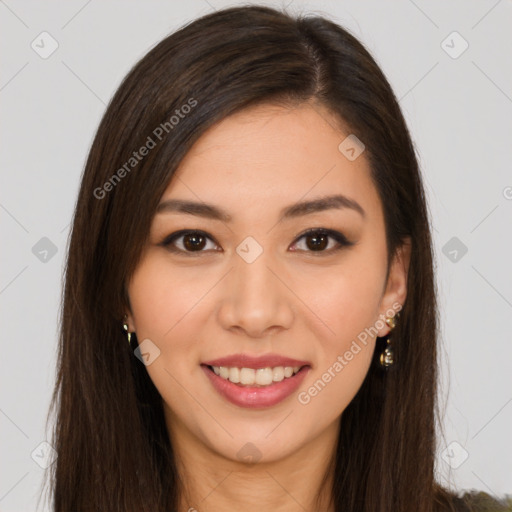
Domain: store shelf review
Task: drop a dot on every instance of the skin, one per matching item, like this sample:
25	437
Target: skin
303	304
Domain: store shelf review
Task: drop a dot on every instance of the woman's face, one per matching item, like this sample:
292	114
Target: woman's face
246	281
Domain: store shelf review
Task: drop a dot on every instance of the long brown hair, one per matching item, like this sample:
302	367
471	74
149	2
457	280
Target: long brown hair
114	452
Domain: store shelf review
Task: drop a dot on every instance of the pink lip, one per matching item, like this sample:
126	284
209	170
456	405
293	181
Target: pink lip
256	397
255	362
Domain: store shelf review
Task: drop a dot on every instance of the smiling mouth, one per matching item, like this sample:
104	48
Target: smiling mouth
260	377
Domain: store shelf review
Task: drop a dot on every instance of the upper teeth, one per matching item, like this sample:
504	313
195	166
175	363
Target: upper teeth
261	376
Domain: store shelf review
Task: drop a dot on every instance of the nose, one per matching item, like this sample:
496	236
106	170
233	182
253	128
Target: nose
256	299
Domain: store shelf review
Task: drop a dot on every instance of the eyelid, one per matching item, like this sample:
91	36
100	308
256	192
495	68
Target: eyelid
338	236
167	242
330	232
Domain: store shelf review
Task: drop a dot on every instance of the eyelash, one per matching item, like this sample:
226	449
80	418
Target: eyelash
340	238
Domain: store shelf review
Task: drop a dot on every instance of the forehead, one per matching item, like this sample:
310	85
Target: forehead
272	155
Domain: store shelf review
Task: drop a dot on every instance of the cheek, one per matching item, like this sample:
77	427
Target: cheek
334	385
164	300
347	296
348	303
162	297
344	355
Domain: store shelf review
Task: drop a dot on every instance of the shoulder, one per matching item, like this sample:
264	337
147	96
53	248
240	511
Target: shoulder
479	501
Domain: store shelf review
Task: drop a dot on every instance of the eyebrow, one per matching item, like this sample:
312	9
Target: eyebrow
292	211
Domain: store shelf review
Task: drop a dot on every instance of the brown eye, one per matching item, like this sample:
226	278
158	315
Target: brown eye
194	242
317	240
320	241
187	242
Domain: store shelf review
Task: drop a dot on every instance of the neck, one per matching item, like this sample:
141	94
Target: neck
300	481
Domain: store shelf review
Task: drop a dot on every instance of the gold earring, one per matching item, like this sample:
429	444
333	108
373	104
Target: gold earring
387	358
125	327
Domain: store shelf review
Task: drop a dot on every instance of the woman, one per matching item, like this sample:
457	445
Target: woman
252	221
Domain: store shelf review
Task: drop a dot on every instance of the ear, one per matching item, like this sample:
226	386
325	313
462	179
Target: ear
128	319
395	291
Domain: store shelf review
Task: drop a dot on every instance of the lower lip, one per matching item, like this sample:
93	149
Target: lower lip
253	397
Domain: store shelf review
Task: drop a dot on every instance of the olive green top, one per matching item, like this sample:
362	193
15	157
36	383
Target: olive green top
478	501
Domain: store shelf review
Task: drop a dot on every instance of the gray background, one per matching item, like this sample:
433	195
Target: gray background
459	109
